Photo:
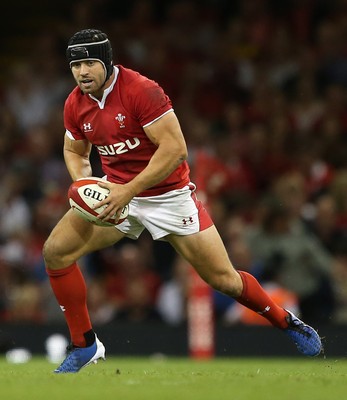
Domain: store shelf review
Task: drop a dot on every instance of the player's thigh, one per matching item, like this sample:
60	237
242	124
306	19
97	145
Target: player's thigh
74	237
206	252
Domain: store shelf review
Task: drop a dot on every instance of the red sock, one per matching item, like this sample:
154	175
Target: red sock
254	297
70	290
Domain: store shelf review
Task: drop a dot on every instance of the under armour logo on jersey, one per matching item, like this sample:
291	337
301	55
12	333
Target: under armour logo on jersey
87	127
187	220
120	118
63	309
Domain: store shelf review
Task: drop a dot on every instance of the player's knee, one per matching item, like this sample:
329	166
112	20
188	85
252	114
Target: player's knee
47	251
50	255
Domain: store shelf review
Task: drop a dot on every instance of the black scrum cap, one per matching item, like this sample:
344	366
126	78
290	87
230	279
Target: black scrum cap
91	44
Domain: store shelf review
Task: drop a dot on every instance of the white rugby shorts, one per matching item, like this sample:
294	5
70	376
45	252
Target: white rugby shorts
176	212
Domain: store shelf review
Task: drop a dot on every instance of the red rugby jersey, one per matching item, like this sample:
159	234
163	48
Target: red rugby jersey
115	127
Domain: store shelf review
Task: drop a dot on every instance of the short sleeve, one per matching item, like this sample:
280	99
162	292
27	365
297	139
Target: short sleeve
70	122
150	101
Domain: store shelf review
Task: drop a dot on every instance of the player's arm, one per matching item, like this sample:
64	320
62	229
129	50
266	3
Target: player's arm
171	151
76	155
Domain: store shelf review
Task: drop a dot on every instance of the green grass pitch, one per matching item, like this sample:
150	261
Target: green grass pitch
178	379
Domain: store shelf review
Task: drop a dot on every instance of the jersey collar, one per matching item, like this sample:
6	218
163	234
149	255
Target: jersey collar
101	103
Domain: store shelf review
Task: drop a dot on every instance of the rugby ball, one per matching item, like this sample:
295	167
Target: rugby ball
84	194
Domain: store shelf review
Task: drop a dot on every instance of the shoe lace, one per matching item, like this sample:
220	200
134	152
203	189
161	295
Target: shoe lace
69	361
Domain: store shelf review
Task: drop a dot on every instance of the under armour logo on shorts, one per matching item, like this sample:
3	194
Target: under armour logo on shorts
186	220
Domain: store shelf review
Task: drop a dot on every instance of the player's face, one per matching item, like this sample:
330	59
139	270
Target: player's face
89	76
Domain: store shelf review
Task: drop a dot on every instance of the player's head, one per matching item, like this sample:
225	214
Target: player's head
91	44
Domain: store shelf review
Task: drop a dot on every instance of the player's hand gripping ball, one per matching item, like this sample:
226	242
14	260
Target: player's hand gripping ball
84	194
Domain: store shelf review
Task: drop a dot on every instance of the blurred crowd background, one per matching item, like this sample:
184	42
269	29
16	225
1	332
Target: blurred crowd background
259	87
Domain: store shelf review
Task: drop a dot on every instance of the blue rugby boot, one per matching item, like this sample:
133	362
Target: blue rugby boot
79	357
306	339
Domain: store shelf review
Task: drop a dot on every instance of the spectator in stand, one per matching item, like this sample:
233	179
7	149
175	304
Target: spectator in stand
133	286
102	308
323	223
302	264
15	214
172	295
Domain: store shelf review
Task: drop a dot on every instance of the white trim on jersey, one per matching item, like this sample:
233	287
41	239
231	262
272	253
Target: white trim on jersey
156	119
69	135
101	103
